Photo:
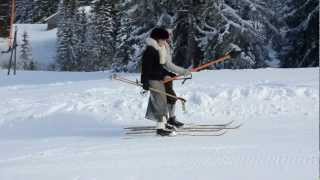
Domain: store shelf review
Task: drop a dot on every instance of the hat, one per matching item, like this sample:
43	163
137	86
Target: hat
159	33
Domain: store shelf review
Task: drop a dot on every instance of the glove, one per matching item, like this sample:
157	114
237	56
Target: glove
145	85
171	74
187	72
234	53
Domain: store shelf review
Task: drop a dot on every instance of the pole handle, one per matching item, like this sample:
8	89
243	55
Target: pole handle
201	67
151	89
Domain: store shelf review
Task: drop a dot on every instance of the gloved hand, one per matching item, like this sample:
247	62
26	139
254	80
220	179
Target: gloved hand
234	53
145	85
187	72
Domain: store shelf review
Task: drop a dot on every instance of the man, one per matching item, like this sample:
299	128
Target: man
157	66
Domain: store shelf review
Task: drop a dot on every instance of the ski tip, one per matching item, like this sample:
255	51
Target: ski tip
203	134
239	125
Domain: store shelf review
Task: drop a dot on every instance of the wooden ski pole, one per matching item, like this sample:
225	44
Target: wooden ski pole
182	100
229	55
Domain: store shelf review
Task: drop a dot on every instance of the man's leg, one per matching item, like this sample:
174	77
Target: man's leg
157	109
171	106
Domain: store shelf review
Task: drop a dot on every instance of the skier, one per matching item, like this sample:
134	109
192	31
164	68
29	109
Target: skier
157	66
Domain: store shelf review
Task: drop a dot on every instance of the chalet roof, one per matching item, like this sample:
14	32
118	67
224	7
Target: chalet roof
52	16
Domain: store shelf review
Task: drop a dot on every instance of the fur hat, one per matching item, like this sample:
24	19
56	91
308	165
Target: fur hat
159	33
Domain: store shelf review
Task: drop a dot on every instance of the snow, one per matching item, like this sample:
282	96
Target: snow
87	10
133	9
43	44
69	126
274	60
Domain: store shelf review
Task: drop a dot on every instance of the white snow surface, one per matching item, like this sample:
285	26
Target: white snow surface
69	126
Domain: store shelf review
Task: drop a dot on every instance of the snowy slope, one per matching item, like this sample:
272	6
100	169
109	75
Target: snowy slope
58	125
43	44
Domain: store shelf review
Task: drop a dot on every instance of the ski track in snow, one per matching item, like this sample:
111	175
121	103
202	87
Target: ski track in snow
71	127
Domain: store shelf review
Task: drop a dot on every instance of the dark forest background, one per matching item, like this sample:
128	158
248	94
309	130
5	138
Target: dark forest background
110	34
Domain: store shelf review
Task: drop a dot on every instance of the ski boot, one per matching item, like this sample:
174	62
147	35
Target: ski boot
173	122
164	130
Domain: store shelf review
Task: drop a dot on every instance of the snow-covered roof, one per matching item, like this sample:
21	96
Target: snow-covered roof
53	15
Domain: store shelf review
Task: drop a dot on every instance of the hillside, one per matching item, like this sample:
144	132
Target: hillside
59	125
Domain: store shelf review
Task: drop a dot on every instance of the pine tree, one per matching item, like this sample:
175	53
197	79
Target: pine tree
26	58
114	35
123	28
301	41
243	25
4	18
102	36
44	8
66	56
184	34
24	11
31	11
205	29
81	43
84	2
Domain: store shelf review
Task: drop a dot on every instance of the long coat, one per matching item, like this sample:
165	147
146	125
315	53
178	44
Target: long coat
156	64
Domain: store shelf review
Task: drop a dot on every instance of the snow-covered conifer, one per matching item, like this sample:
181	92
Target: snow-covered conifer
102	36
26	59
